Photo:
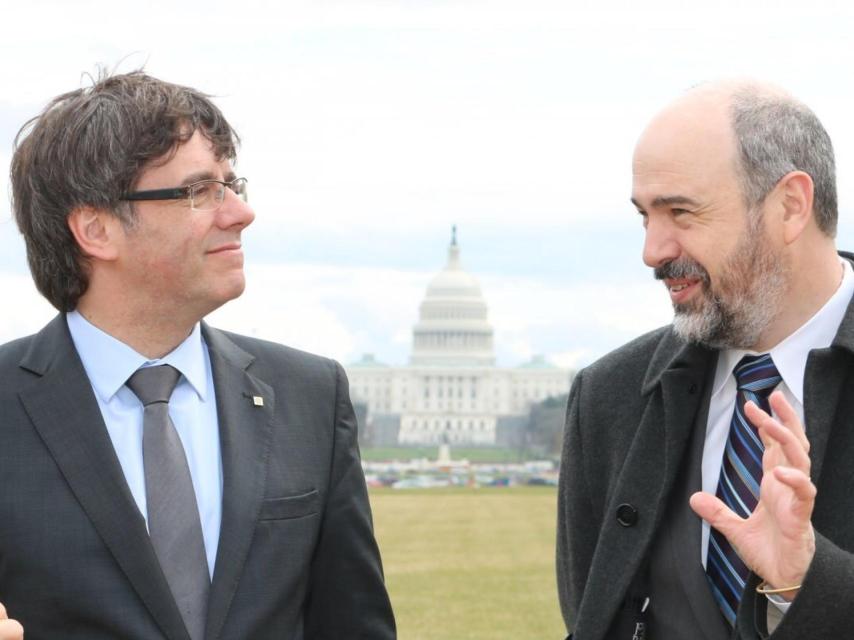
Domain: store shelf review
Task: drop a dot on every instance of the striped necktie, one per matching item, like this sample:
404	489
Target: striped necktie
741	473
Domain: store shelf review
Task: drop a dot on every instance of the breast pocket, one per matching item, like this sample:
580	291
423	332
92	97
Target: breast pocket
288	507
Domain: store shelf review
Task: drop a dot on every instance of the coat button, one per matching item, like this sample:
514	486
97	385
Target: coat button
692	388
627	515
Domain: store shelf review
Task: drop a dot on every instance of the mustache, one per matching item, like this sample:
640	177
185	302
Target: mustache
683	268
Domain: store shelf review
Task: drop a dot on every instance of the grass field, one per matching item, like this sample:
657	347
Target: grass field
470	564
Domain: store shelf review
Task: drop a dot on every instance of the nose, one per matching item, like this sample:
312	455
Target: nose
234	212
660	244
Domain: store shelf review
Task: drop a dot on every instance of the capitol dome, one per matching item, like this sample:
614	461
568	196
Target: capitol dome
453	328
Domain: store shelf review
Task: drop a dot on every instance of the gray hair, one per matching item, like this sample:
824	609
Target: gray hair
88	148
776	135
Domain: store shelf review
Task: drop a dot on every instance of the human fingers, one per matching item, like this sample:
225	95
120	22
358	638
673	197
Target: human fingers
794	453
798	482
789	417
772	433
757	417
11	630
790	501
797	508
713	510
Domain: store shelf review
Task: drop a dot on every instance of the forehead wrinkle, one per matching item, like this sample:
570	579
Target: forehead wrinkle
665	201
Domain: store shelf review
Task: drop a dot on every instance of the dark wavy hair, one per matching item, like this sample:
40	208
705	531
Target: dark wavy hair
89	147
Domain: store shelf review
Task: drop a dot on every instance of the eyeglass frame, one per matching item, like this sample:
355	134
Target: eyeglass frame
179	193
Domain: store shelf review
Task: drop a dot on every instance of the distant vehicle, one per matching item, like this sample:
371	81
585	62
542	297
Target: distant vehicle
421	482
502	481
542	481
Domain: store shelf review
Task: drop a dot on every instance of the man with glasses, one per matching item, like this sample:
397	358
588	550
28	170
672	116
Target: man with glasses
160	478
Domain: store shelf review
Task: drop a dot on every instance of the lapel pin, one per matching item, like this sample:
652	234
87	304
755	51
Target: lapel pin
258	401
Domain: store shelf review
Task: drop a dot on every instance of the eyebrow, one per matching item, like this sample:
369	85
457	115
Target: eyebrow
665	201
197	176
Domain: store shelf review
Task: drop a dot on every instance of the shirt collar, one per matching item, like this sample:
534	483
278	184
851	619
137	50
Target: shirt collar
110	362
790	355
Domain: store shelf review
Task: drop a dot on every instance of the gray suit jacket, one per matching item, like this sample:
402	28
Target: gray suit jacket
297	557
629	423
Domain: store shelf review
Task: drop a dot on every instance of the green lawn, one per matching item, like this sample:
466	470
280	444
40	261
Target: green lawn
470	564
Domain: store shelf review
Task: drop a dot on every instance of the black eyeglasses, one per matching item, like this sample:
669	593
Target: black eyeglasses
204	195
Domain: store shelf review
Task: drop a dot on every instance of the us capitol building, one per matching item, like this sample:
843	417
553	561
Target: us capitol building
451	391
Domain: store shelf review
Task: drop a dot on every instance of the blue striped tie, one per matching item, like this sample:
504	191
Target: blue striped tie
741	473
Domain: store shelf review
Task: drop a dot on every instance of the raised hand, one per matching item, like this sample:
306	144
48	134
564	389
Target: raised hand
777	541
9	629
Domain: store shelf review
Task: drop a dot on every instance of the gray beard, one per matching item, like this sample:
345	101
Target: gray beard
726	326
747	299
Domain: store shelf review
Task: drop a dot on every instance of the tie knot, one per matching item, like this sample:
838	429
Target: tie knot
154	384
757	374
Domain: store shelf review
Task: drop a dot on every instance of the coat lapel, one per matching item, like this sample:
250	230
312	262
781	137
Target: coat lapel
245	407
673	386
63	409
824	379
683	531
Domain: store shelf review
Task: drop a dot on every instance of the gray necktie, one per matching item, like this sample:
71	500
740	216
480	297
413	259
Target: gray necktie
173	515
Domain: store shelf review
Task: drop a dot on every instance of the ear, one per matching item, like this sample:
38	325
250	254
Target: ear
96	232
795	197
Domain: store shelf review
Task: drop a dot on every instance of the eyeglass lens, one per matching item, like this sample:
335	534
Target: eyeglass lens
208	195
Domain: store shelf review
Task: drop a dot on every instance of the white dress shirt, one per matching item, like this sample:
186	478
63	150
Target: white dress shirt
109	363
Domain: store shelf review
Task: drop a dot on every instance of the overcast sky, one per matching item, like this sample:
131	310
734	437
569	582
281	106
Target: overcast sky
369	128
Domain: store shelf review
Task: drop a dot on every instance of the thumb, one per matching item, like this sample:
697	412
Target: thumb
713	510
9	629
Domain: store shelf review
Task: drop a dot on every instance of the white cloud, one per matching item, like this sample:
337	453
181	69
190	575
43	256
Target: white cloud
334	311
26	311
344	312
573	359
389	119
573	323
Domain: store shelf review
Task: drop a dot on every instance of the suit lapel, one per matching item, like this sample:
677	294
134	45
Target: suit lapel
245	408
673	386
64	411
684	529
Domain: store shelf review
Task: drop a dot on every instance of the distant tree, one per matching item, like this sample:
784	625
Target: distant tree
543	435
361	411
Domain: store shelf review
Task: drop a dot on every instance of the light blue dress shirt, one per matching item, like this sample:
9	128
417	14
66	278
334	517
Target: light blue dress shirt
109	363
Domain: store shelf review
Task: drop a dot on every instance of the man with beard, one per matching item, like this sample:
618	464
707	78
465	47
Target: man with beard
734	183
